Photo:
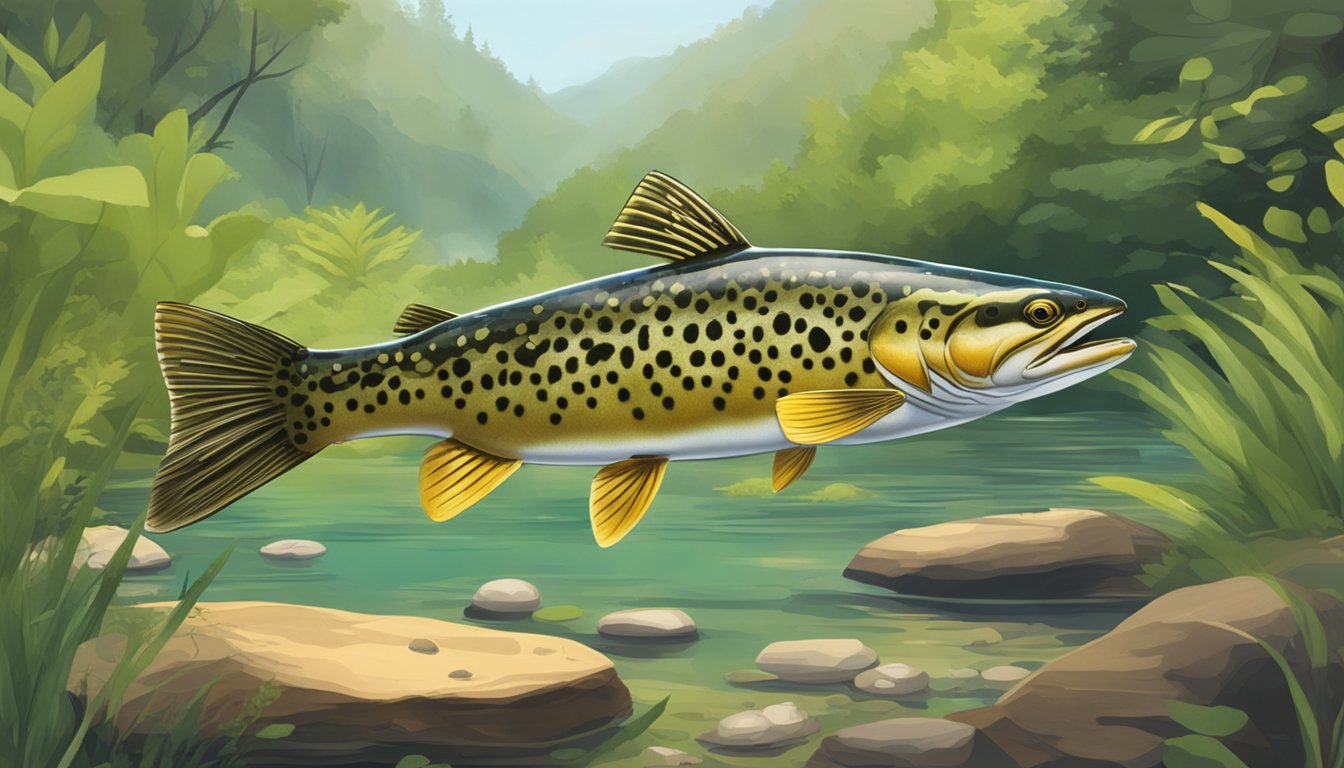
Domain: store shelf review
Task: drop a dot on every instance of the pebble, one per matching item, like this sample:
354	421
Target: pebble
1004	674
659	756
507	596
460	674
816	661
892	680
906	742
424	645
647	623
293	549
772	726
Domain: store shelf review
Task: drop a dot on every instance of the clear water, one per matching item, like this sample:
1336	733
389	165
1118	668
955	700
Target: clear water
750	567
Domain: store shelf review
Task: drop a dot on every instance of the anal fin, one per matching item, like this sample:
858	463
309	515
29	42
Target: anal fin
790	464
454	476
813	418
417	317
621	493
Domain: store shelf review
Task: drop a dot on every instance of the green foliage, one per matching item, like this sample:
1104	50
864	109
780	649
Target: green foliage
347	244
1207	721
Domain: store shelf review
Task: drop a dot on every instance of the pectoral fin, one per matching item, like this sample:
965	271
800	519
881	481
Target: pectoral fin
813	418
621	493
417	317
790	464
453	477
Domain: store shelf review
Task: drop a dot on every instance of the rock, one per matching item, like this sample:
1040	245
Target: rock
1004	674
647	622
460	674
1106	702
353	693
657	756
423	645
1058	554
892	680
908	742
507	596
100	542
774	726
293	549
816	661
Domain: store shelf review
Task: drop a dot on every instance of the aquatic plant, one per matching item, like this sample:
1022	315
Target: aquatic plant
348	243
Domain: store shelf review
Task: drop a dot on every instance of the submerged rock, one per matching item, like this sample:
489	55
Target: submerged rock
1107	702
774	726
356	696
507	596
1058	554
100	542
908	742
660	756
647	623
293	549
892	680
1005	673
816	661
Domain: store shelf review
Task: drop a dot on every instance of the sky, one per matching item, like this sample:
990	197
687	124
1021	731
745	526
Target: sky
568	42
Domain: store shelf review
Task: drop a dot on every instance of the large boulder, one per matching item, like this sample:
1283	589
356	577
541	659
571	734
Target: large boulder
99	542
1052	555
1106	703
357	693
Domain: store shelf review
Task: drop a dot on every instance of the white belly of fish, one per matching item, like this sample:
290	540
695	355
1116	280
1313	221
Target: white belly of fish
737	439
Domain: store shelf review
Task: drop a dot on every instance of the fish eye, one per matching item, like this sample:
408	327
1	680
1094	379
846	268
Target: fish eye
1041	311
1081	305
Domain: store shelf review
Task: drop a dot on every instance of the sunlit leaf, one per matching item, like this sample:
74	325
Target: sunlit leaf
1280	183
37	76
1334	179
1318	221
275	731
1226	155
1313	24
1330	123
1209	721
1198	751
58	114
51	42
75	42
1284	223
1196	70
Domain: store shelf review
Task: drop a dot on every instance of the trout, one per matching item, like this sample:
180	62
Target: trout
725	349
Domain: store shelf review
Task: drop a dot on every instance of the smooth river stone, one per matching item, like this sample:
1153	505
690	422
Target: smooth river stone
816	661
647	623
507	596
773	726
100	542
892	680
293	549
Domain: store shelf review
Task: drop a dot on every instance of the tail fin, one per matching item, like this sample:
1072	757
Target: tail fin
228	413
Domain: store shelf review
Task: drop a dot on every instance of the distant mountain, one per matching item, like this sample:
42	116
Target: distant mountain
589	102
717	114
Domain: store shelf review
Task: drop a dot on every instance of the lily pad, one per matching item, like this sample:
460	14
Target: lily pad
558	613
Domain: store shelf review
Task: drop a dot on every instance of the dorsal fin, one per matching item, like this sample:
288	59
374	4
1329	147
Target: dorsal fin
666	218
417	317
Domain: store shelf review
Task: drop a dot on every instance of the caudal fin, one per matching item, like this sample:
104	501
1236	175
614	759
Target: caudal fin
228	413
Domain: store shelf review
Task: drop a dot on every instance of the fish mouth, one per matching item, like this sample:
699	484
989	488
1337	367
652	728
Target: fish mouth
1077	351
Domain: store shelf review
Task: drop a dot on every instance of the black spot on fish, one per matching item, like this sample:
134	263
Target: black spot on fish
731	318
487	382
501	403
856	313
662	313
604	324
561	344
667	330
575	325
758	334
683	299
542	395
851	378
758	393
623	394
669	403
528	357
300	439
713	330
312	425
442	373
553	374
600	353
705	381
382	397
371	380
481	418
868	366
771	295
585	343
925	334
785	376
502	356
827	363
754	356
663	358
461	367
592	402
572	365
467	386
656	388
518	410
369	409
732	372
405	397
901	326
818	339
805	300
394	382
859	289
688	383
282	391
933	323
807	364
643	339
739	348
749	302
326	422
648	370
638	413
562	403
781	323
840	300
720	404
459	403
577	387
627	325
690	333
846	354
697	358
702	306
351	404
717	358
444	392
675	370
764	373
555	418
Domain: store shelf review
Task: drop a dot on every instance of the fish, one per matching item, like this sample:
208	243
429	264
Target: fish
722	349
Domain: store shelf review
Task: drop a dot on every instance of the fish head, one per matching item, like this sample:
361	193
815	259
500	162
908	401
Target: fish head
996	341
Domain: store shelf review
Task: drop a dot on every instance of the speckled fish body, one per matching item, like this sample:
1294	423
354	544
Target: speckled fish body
728	350
683	360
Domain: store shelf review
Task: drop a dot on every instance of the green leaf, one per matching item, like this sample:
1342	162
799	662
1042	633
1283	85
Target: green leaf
1208	127
1311	24
1285	224
1330	123
1215	10
75	42
1289	160
276	731
1197	751
79	196
57	116
558	613
1209	721
202	174
1318	221
1196	70
1334	179
413	761
1154	126
37	76
1280	183
51	42
1226	155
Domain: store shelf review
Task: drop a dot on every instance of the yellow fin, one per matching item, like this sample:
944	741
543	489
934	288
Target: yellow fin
812	418
621	493
790	464
453	477
417	317
664	217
